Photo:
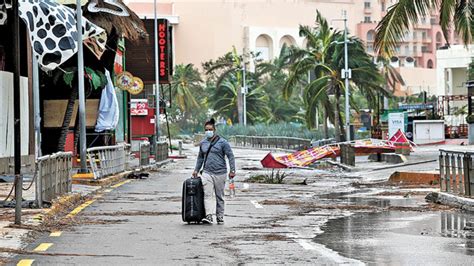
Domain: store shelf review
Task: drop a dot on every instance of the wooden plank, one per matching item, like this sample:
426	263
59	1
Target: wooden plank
442	178
461	174
448	172
454	174
54	111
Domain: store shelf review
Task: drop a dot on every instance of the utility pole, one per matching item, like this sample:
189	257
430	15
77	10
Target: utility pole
80	84
347	76
16	111
244	92
36	103
157	79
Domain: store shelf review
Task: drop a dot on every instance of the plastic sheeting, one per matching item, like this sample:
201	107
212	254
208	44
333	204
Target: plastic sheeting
109	112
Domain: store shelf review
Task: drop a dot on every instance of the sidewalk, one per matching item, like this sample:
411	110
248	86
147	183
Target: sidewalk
14	237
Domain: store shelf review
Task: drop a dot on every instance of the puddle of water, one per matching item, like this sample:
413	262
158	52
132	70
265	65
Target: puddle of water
400	238
348	198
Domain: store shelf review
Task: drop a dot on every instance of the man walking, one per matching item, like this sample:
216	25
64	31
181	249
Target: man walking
211	158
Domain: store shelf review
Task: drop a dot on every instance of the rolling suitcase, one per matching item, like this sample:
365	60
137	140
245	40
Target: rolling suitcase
193	201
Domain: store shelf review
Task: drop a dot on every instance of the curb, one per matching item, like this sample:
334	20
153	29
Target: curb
106	181
413	177
451	200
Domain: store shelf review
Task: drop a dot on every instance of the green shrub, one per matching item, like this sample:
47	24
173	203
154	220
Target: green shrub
270	178
280	129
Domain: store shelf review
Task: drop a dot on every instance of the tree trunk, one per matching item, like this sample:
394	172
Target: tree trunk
337	114
325	123
67	118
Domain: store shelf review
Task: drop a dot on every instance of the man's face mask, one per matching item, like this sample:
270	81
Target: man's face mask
209	134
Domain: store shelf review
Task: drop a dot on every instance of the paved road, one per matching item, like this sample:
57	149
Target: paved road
139	223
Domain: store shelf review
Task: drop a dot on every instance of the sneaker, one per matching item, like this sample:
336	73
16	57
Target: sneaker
207	219
220	219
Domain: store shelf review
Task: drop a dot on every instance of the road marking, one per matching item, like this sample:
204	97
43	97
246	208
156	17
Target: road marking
108	190
308	244
56	234
25	263
43	247
120	184
256	204
80	208
305	244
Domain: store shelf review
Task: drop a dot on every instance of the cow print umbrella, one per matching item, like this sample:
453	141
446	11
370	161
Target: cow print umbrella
53	33
4	4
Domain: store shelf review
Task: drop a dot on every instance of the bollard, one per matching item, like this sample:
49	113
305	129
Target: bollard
180	148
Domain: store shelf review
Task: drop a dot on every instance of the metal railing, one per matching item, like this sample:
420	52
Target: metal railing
456	172
107	160
272	142
161	152
145	150
54	176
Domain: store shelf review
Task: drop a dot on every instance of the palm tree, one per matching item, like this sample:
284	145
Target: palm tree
185	83
325	58
404	13
223	100
273	75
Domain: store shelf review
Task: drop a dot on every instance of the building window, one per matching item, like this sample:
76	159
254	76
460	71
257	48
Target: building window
407	49
397	49
415	49
370	48
264	47
366	5
430	63
383	6
414	35
370	35
367	19
424	49
424	35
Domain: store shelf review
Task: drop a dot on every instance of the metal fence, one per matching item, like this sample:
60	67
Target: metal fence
161	152
272	142
107	160
456	172
53	176
145	150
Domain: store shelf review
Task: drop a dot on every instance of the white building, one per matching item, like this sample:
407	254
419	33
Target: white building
452	69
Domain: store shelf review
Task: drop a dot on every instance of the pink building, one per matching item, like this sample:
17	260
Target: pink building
204	30
419	46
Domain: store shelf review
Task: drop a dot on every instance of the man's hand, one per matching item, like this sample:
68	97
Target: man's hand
231	175
195	174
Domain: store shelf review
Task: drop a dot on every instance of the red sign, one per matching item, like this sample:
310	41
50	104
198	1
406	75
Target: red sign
139	107
164	54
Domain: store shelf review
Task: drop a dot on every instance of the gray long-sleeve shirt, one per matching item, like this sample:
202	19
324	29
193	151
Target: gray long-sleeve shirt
215	163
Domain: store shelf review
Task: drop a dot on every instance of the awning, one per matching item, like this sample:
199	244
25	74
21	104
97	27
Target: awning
53	33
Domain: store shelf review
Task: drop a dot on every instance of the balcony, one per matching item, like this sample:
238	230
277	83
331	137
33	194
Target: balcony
427	40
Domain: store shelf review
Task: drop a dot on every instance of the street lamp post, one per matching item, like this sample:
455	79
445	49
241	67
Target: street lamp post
80	87
244	92
346	74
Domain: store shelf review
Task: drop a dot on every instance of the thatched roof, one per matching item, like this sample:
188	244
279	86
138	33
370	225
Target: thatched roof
130	27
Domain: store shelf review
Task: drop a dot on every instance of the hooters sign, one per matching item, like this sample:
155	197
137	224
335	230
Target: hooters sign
164	51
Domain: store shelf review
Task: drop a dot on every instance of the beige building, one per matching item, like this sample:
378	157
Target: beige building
205	30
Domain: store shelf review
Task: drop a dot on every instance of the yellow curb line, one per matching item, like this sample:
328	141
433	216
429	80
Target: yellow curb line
43	247
25	263
121	183
56	234
80	208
